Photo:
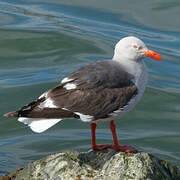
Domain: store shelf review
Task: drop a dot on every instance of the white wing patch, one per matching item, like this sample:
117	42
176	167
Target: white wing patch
48	103
39	125
85	118
69	86
66	79
43	95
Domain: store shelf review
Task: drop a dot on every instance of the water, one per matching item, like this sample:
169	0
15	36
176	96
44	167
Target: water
43	41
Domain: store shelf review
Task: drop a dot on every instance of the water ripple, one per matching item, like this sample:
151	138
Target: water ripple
41	42
37	16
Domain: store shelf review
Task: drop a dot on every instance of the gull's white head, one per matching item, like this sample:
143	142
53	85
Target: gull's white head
132	48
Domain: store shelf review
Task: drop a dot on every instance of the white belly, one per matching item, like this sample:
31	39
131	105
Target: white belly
140	81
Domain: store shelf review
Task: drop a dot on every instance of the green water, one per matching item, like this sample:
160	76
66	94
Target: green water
42	41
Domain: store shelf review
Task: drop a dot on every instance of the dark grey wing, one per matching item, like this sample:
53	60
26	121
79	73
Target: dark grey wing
102	73
100	88
95	90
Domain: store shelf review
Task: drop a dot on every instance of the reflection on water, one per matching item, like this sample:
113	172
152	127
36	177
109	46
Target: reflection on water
41	42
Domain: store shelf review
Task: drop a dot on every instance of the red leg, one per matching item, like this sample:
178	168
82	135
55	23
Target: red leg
93	133
116	145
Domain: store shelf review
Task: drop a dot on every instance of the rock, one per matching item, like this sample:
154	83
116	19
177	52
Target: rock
99	165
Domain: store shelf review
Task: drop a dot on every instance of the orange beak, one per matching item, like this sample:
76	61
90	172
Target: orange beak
153	55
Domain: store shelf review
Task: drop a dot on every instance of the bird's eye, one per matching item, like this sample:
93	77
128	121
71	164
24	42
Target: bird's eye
135	46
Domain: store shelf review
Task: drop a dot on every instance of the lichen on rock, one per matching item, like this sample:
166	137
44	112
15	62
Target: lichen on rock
94	165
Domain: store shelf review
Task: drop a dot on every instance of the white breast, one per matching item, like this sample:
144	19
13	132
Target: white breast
140	82
139	71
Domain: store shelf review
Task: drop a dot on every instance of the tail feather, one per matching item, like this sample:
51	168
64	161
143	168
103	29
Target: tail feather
25	109
40	118
47	113
33	110
11	114
39	125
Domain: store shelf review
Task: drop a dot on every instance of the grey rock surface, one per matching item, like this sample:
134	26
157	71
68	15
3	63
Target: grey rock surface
99	165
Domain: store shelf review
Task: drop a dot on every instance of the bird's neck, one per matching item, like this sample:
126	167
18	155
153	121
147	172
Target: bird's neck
128	64
136	68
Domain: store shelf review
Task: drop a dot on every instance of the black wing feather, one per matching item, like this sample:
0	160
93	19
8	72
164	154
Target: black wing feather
101	88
